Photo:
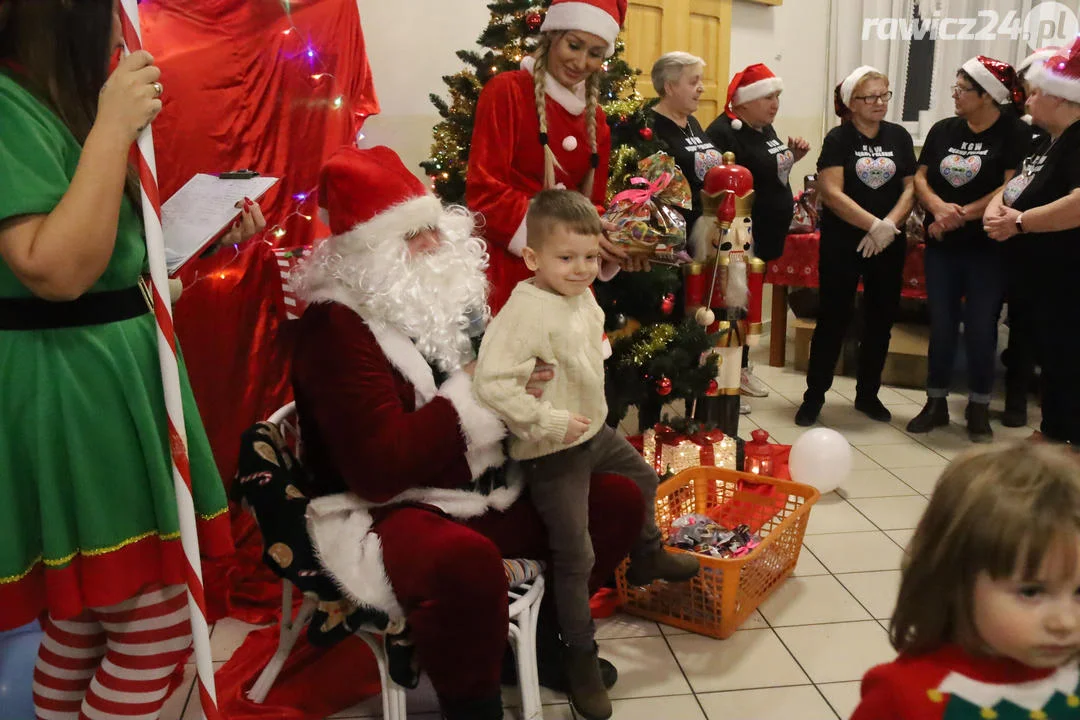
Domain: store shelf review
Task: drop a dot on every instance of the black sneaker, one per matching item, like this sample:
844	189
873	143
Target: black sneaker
808	412
873	409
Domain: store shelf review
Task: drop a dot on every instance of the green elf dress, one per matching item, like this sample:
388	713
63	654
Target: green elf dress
88	515
952	684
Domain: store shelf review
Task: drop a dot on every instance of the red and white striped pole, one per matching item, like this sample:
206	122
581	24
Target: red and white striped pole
170	376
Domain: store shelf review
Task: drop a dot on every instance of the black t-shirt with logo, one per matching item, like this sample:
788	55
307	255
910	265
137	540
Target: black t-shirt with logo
694	154
770	161
1049	173
963	166
874	172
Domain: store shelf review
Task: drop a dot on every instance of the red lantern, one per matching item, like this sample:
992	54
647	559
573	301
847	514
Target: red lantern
759	454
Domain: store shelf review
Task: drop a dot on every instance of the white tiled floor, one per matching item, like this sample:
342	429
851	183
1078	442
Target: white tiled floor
803	654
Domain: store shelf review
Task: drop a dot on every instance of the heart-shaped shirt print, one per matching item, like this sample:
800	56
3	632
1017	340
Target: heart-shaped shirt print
784	162
875	172
959	170
706	160
1014	187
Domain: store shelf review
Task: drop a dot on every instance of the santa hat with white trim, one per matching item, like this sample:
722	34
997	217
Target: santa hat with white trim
1038	57
995	77
370	197
751	83
603	18
1060	74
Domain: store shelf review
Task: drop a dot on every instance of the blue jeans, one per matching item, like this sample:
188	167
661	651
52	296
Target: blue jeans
963	284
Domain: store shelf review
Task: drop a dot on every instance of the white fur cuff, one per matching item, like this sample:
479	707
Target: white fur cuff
483	430
517	242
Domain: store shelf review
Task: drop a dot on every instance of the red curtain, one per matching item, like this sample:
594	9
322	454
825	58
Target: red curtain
241	92
249	86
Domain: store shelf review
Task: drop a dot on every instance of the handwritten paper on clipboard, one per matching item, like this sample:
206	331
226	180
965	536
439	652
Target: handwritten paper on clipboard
200	210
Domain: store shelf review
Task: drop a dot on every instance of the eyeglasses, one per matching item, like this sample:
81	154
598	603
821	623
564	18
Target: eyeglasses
958	89
874	99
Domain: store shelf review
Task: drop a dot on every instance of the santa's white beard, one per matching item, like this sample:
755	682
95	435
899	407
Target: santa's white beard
737	292
432	298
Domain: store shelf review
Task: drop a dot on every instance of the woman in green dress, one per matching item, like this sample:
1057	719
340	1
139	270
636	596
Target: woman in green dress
89	534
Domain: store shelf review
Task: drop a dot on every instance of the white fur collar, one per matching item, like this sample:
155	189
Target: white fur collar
572	100
396	345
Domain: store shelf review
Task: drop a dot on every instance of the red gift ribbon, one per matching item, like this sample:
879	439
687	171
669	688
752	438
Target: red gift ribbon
707	440
640	196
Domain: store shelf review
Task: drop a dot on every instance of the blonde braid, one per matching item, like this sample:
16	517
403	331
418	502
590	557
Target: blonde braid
539	74
591	103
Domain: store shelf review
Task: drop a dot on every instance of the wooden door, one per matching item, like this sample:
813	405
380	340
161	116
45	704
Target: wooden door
700	27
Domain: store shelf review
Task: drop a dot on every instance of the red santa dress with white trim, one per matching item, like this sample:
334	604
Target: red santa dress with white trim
506	165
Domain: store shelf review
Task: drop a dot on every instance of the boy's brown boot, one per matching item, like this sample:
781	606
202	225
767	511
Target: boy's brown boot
655	563
587	692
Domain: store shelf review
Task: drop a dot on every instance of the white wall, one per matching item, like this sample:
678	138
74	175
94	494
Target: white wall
411	45
792	40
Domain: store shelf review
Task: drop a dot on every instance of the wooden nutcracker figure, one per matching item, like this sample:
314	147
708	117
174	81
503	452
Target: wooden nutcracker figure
717	285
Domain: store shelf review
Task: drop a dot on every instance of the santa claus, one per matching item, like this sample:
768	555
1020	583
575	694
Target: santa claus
413	517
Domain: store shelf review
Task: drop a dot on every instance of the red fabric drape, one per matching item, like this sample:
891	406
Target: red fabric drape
239	93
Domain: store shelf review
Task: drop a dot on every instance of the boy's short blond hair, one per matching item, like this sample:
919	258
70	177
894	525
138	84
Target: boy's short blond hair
997	512
560	208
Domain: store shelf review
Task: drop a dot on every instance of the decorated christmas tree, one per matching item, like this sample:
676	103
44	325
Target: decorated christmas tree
656	355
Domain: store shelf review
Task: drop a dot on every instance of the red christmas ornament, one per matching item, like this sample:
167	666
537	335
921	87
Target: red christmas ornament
533	21
713	388
667	306
646	133
663	386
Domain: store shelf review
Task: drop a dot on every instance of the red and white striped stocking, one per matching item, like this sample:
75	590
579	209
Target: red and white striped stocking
115	661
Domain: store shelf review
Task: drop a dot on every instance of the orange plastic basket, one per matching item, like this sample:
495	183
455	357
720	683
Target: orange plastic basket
725	592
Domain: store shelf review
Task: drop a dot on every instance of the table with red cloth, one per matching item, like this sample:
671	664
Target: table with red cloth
798	267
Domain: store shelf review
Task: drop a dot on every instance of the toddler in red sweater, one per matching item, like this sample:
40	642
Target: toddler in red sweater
987	622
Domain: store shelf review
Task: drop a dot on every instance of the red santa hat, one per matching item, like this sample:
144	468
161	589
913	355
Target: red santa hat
1060	74
369	192
751	83
603	18
995	77
1038	57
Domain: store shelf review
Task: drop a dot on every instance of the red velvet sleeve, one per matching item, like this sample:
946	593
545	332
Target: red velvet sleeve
363	431
603	148
488	190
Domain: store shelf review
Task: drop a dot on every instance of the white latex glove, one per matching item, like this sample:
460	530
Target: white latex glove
867	247
883	233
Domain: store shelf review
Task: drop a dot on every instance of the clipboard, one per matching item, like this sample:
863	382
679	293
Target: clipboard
205	206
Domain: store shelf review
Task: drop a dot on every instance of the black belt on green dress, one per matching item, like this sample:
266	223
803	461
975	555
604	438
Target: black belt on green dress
96	308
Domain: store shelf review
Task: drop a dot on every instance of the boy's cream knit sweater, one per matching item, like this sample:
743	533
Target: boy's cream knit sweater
567	332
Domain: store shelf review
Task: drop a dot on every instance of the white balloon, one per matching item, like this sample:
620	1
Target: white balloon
821	458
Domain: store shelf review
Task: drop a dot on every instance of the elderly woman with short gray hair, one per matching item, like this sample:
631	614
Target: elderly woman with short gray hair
677	77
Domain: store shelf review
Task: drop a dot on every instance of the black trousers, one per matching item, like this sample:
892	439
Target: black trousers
1022	317
840	267
1058	347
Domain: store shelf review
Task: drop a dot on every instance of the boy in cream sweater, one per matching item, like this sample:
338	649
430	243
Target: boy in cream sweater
561	439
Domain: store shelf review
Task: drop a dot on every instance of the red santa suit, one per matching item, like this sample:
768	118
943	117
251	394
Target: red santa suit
506	163
405	518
